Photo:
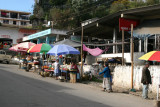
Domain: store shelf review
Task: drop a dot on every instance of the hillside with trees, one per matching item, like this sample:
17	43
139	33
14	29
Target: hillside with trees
68	14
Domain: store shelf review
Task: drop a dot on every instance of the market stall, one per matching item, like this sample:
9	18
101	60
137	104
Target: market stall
63	50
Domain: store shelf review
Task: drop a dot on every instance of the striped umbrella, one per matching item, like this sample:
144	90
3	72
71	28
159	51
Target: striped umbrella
43	47
151	56
22	47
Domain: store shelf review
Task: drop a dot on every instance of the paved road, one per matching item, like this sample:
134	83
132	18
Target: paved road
26	89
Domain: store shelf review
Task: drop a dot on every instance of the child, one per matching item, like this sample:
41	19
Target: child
106	78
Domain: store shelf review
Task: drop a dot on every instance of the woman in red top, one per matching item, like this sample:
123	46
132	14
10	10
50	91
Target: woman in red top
74	67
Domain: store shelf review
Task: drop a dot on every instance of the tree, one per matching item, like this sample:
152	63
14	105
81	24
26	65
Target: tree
70	13
135	4
119	5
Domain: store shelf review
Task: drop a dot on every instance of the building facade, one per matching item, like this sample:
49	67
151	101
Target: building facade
14	18
48	36
13	27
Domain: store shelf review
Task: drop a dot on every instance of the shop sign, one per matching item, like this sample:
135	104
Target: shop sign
39	34
5	36
125	24
28	31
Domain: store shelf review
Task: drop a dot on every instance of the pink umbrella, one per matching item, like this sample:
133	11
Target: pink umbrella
22	47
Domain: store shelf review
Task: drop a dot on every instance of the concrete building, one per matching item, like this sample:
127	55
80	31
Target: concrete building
146	35
13	26
14	18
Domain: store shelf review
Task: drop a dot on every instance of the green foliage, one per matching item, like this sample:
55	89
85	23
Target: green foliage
150	2
135	4
68	14
32	17
119	5
125	4
38	12
100	11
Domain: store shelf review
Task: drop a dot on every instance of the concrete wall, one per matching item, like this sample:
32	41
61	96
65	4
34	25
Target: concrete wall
122	77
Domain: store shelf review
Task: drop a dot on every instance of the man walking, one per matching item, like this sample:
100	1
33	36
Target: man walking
146	80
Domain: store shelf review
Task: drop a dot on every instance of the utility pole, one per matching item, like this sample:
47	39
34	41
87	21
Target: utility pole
132	62
122	46
82	53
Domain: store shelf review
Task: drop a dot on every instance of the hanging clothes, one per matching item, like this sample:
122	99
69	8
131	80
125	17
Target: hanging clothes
94	52
3	13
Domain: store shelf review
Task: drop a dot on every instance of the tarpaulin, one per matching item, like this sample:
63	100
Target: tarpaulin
94	52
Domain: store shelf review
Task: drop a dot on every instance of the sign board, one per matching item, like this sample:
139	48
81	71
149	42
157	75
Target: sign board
5	36
39	34
125	24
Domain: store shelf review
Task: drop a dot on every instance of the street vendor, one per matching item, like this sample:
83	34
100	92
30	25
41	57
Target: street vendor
57	69
75	68
29	58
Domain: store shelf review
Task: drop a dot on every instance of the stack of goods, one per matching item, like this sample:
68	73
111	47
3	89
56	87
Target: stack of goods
44	74
73	77
45	67
65	69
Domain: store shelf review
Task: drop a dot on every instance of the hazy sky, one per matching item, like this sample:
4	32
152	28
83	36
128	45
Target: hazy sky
18	5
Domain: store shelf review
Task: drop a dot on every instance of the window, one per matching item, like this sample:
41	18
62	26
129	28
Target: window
23	23
6	21
14	22
26	35
14	15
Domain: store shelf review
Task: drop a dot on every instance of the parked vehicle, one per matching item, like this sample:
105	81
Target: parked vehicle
4	57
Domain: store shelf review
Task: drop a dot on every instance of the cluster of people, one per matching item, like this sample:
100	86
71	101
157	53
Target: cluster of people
107	79
57	71
106	72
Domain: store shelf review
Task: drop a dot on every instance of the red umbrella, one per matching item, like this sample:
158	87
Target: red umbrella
22	47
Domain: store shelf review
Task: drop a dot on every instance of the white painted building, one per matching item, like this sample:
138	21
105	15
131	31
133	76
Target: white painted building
13	27
10	35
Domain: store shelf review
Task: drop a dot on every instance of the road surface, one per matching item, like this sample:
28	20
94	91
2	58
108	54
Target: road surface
27	89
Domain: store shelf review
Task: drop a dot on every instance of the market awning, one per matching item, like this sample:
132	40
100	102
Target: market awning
68	42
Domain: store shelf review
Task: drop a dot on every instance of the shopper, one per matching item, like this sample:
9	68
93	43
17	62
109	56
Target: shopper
145	80
57	69
106	78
